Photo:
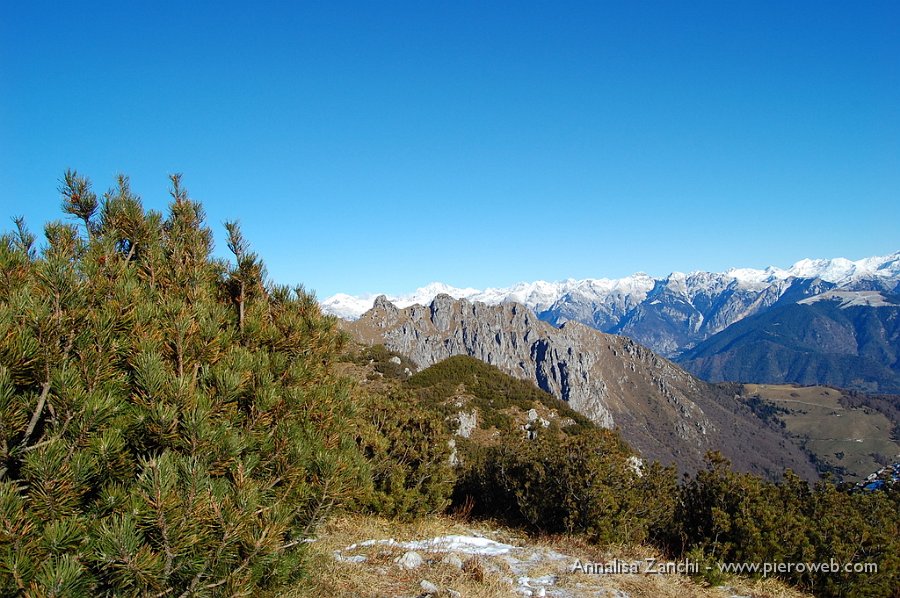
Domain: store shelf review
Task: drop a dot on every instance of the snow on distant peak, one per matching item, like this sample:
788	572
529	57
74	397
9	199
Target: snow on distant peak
837	270
346	306
752	276
542	295
831	270
539	295
841	270
351	307
430	291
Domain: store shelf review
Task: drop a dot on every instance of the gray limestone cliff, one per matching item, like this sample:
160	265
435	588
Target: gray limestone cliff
660	409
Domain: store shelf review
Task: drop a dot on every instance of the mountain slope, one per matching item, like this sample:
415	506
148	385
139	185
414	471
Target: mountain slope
660	409
850	435
844	339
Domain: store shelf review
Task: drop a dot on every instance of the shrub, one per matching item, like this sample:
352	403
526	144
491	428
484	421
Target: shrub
168	423
408	451
569	483
493	392
389	364
733	517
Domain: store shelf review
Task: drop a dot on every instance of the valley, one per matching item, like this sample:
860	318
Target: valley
849	442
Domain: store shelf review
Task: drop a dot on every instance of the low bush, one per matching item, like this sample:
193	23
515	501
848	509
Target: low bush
408	452
581	483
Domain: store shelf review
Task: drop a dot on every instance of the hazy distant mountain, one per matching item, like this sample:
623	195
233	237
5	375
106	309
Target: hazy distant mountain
849	339
669	314
660	409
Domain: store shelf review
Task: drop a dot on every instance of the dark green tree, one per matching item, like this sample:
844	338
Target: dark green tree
735	517
573	483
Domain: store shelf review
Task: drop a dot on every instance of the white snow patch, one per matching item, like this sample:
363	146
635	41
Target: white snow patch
519	565
464	544
357	558
851	299
473	545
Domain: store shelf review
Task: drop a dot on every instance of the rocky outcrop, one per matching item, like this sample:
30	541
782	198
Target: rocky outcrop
661	410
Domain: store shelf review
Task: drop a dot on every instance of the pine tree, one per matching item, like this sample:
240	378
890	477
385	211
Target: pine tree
154	440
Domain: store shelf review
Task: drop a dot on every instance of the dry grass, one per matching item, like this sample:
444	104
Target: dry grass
765	588
380	576
488	577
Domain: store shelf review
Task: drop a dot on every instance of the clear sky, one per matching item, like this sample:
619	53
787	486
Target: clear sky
378	146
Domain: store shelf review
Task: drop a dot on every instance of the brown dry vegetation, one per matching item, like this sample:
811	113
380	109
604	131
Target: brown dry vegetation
488	577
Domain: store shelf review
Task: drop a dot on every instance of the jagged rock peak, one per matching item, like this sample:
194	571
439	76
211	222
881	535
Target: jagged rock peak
562	362
662	411
383	303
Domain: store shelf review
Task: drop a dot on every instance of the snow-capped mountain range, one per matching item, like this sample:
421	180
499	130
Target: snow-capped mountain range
667	314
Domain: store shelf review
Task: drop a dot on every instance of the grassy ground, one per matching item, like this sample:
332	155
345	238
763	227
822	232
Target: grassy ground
379	576
489	577
843	438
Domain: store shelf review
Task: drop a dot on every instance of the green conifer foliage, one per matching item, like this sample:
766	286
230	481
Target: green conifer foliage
154	439
578	483
408	451
735	517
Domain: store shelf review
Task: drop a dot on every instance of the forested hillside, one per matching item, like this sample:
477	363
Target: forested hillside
822	342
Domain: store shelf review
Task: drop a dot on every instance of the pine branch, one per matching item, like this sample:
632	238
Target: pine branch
164	532
35	447
317	516
130	252
244	564
241	308
36	416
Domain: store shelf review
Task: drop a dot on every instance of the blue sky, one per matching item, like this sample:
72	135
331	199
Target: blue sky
378	146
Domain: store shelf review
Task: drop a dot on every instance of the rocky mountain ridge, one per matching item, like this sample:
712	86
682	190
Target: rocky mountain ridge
661	410
670	314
